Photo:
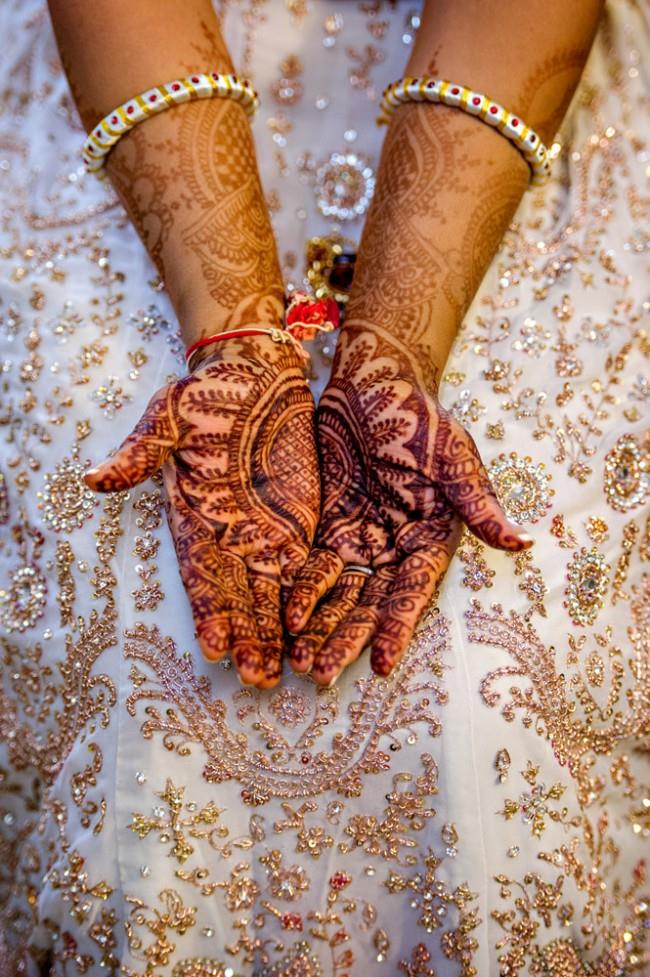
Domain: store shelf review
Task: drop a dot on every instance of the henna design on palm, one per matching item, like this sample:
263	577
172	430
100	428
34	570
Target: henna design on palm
236	445
399	474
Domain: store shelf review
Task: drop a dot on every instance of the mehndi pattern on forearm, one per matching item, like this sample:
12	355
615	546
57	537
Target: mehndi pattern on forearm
416	270
197	186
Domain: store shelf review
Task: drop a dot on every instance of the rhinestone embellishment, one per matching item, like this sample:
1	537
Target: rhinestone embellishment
627	474
344	186
588	575
521	486
23	603
66	501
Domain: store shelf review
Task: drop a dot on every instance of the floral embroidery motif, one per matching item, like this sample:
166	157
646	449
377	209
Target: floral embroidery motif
534	805
522	487
627	474
435	901
171	826
66	501
299	962
588	575
22	601
86	695
273	765
344	186
542	695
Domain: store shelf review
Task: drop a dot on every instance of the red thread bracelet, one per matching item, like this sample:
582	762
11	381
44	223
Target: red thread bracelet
277	335
305	316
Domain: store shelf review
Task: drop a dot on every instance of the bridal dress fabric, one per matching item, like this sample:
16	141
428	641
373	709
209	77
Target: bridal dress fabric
482	810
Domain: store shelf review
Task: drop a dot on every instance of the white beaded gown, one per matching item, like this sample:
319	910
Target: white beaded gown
484	811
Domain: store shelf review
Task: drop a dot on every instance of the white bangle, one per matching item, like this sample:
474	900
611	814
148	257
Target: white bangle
458	96
113	126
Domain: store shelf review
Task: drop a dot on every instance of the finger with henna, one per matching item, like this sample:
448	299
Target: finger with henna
264	587
321	572
417	579
356	631
321	625
151	442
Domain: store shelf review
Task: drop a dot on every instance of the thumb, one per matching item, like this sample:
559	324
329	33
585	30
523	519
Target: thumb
467	487
151	442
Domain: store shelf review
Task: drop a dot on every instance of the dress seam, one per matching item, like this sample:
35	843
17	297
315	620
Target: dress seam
458	645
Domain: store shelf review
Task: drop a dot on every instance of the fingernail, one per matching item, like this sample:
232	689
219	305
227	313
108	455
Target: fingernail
525	538
92	471
332	682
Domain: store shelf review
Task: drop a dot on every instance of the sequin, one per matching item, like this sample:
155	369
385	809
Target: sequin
66	501
344	186
522	487
627	474
502	763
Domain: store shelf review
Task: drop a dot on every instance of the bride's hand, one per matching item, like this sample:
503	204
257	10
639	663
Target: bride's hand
235	441
399	473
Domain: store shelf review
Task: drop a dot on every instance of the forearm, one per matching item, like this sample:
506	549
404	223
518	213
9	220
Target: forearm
448	185
187	177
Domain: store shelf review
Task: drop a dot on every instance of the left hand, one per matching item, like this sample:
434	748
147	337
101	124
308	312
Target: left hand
399	473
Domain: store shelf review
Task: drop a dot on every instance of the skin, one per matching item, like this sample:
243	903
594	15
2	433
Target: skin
235	440
398	472
188	177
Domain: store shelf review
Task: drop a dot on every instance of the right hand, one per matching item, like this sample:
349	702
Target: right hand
236	445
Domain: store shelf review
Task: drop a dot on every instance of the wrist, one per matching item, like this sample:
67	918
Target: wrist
255	347
203	318
420	360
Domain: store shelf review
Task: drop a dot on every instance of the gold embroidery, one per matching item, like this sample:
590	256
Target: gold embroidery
434	900
627	474
522	487
67	502
85	696
174	917
588	575
293	769
535	805
546	704
172	826
65	580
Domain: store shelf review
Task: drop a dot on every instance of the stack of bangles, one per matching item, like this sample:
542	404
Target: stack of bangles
305	316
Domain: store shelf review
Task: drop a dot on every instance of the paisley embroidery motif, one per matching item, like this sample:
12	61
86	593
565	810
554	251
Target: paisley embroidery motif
255	749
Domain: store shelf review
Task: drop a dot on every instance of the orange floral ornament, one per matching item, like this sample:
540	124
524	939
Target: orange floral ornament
305	316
